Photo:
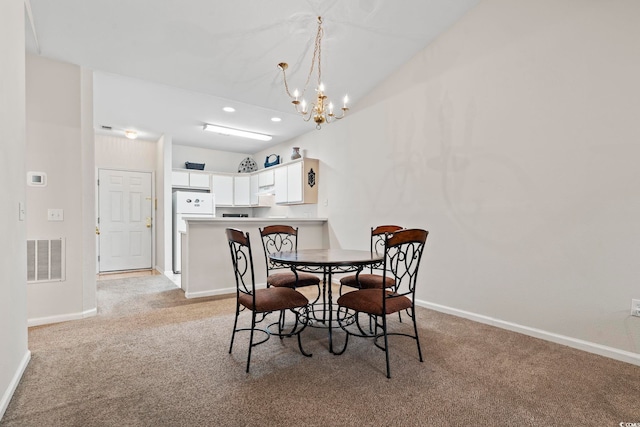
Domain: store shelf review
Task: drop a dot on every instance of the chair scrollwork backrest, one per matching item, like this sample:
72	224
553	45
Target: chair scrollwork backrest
278	238
403	252
240	249
378	238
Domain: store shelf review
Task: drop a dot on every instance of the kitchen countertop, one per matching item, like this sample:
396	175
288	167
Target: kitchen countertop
219	220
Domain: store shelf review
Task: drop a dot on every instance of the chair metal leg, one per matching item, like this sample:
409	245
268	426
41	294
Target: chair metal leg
235	325
281	324
253	328
415	330
304	325
386	343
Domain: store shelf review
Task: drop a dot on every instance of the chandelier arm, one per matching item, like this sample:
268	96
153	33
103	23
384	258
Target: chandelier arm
286	85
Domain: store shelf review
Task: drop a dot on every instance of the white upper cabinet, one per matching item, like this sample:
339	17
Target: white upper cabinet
265	178
297	182
293	183
222	188
281	184
253	189
185	179
199	180
179	179
242	190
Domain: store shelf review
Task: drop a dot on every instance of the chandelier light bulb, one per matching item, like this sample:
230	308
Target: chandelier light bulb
321	87
346	99
296	94
331	108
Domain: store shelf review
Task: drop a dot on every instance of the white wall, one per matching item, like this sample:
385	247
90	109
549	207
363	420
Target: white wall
214	160
59	110
163	207
89	302
14	354
114	152
514	138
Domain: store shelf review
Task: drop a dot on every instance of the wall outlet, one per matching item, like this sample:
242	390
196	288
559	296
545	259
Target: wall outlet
635	307
55	215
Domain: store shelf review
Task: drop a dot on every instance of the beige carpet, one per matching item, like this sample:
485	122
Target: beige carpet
152	358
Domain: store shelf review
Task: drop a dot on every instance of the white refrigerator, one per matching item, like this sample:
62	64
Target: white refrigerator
190	204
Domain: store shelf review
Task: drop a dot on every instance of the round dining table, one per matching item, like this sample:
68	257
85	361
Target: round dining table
327	262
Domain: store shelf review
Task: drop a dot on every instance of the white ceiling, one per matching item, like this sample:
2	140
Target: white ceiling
168	67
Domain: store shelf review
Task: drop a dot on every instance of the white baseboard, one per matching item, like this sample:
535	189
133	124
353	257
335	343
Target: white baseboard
215	292
8	394
224	291
602	350
61	318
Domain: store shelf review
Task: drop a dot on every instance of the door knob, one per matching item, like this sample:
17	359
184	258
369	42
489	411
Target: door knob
97	230
148	222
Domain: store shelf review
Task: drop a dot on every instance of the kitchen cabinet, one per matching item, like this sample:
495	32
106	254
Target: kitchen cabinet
179	179
280	185
296	182
199	180
222	188
292	183
242	190
265	178
254	186
185	179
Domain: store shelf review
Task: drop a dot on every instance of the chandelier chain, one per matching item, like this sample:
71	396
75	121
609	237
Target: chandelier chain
317	50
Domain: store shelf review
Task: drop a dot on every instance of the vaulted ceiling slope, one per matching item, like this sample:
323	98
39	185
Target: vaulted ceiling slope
168	67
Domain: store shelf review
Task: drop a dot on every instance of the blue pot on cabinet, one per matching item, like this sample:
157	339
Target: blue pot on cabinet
271	160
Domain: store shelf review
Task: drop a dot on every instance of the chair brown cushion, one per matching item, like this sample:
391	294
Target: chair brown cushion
273	299
367	281
370	301
288	279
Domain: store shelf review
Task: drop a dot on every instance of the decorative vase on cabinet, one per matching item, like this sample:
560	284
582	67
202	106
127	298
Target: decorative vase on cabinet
296	153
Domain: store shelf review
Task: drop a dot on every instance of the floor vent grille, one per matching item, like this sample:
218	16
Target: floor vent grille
45	260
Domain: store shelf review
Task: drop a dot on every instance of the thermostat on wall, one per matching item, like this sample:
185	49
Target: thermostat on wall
37	179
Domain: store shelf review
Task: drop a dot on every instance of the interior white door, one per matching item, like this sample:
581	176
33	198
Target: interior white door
124	206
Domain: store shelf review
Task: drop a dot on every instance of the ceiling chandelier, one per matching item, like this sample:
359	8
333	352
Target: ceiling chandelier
322	111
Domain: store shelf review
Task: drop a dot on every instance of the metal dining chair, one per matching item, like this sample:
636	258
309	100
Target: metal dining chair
403	252
280	238
374	278
261	302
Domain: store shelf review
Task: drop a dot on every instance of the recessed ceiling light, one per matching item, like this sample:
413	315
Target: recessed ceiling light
131	134
229	109
237	132
276	119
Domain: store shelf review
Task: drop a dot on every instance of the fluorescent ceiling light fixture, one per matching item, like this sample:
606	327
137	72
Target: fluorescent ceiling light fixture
276	119
237	132
229	109
131	134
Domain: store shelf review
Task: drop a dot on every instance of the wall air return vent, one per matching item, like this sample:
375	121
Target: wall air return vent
45	260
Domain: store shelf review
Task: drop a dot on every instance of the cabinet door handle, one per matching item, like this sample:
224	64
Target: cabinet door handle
97	230
148	222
